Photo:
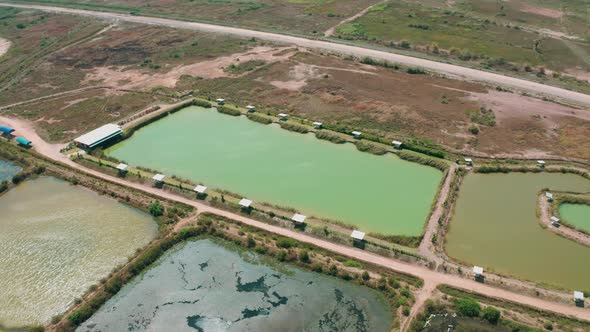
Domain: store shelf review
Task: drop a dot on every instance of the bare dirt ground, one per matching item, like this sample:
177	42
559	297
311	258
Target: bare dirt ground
445	68
562	230
126	78
4	46
543	11
431	278
510	105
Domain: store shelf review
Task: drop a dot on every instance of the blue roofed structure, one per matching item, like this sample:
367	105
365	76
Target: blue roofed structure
6	130
23	141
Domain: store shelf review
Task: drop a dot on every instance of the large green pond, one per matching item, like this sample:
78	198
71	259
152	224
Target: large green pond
203	286
55	241
8	170
495	225
577	215
266	163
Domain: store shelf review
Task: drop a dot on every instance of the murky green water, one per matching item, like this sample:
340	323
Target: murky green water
577	215
203	286
266	163
8	170
55	241
495	225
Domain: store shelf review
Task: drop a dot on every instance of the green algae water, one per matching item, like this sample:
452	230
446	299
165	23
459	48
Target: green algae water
496	226
8	170
202	286
577	215
266	163
56	240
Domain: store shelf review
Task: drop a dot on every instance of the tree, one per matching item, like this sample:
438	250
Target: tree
156	209
467	307
491	314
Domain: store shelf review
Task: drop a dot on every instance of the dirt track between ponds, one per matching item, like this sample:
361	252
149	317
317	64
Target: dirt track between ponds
444	68
431	278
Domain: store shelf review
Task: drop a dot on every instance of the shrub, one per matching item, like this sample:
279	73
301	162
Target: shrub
548	326
406	311
294	127
304	256
328	136
474	130
202	103
250	242
282	255
393	282
370	147
351	263
229	110
365	276
258	118
491	314
156	209
415	71
286	243
467	307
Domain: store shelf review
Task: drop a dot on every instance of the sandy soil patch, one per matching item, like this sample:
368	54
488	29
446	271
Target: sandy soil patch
579	74
4	46
508	106
133	78
547	12
302	72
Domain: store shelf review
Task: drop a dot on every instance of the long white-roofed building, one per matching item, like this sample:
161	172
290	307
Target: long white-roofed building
98	136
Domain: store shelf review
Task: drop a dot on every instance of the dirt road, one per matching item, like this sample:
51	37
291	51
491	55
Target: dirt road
445	68
431	278
427	248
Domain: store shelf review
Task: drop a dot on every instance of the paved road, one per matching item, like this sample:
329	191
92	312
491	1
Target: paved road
467	73
431	278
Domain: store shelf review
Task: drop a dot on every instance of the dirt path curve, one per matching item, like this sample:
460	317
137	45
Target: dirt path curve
426	247
331	31
445	68
4	46
430	277
562	230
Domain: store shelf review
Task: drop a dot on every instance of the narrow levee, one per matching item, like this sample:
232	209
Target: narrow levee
495	225
381	194
56	241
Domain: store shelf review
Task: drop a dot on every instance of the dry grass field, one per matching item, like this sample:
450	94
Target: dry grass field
545	40
138	66
295	16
